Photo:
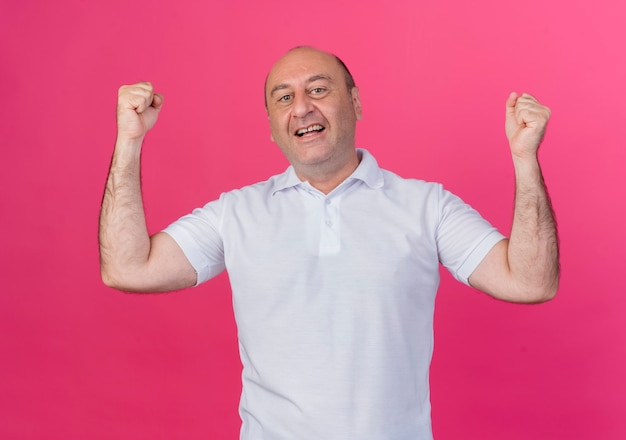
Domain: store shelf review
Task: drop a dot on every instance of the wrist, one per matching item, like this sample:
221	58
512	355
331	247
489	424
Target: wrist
527	169
128	145
127	152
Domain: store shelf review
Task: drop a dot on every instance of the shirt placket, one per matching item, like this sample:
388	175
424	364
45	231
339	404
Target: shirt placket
330	237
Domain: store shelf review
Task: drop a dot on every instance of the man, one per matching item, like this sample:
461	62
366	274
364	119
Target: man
334	263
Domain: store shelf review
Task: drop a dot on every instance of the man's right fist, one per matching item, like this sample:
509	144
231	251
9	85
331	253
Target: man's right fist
137	110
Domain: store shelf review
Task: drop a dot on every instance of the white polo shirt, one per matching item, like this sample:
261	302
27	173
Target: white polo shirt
334	297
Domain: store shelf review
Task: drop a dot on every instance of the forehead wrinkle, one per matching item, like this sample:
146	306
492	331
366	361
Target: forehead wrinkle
318	77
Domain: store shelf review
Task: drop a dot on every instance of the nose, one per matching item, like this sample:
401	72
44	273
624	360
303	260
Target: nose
302	105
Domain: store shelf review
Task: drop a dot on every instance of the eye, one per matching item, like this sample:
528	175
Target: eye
318	90
284	98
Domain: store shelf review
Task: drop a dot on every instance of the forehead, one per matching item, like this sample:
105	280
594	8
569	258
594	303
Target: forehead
299	65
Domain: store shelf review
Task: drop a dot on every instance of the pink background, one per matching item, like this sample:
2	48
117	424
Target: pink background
81	361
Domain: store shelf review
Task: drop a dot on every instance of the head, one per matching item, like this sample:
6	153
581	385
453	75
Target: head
350	84
313	105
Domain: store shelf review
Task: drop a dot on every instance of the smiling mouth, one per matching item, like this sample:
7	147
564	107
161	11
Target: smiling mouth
310	130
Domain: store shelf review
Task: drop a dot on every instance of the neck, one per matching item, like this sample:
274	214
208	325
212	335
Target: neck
327	178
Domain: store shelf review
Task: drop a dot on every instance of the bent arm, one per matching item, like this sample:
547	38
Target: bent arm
130	259
524	268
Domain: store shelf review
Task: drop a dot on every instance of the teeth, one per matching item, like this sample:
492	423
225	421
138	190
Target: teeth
315	127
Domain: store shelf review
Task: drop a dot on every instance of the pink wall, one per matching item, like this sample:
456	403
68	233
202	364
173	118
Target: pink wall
80	361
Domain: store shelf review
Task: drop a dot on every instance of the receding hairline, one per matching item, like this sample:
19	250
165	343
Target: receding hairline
349	79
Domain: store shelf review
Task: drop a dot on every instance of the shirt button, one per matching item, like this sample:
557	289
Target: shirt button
329	223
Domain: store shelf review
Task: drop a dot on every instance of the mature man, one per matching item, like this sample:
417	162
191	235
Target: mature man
334	263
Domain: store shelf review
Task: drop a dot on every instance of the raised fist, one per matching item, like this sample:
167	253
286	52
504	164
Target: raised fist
526	121
137	110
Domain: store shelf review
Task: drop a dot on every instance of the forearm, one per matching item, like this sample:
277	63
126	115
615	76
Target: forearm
524	268
533	251
123	235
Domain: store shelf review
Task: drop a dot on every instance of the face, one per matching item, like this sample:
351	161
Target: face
312	113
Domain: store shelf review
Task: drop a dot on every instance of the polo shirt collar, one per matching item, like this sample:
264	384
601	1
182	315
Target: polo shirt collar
368	172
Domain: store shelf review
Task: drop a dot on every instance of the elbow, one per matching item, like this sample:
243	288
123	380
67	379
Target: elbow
550	293
540	297
109	280
108	272
539	294
115	280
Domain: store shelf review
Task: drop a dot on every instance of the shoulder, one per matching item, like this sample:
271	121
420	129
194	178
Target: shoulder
391	183
412	188
259	190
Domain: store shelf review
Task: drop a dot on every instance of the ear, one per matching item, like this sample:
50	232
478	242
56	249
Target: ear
356	103
271	134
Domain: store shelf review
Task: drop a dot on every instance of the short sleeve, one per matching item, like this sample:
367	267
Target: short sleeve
198	236
464	237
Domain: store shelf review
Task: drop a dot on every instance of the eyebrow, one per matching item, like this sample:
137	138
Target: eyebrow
310	80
